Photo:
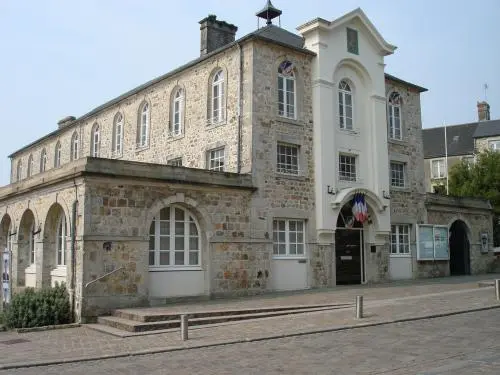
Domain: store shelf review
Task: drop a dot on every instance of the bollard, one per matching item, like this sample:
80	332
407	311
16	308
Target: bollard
497	289
184	327
359	307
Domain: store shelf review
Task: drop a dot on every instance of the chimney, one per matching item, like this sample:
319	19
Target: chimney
483	111
66	121
215	34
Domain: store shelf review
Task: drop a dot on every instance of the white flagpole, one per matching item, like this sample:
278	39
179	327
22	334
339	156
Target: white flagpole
446	157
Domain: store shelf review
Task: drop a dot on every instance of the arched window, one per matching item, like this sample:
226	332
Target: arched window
143	128
217	103
286	90
31	164
32	243
75	146
177	113
19	170
57	155
43	161
61	241
345	105
174	239
118	135
96	141
394	116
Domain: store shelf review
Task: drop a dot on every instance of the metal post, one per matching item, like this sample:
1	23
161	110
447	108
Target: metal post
184	327
359	307
497	289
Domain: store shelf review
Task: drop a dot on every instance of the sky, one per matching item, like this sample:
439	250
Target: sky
62	57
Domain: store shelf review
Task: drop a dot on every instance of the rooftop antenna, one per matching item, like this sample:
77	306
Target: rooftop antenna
485	88
269	12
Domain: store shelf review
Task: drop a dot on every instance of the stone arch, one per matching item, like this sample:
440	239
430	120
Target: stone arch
459	244
356	67
25	256
51	244
5	228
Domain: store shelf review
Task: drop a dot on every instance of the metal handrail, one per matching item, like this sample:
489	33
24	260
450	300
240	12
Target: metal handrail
103	276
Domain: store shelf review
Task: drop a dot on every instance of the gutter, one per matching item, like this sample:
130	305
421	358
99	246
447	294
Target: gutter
73	250
240	91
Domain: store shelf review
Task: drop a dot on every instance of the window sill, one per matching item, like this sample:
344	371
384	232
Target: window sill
59	271
298	177
174	137
116	155
347	183
31	269
213	125
141	148
405	189
290	257
400	255
402	142
353	132
290	121
174	268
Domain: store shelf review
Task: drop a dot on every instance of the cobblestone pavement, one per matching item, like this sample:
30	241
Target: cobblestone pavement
383	304
459	344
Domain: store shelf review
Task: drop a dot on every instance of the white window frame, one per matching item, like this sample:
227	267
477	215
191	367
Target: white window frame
61	241
31	165
288	234
348	176
217	100
394	117
96	140
216	159
399	232
156	223
291	155
345	91
398	181
43	161
118	135
494	145
440	169
57	155
177	113
75	143
144	122
175	162
287	91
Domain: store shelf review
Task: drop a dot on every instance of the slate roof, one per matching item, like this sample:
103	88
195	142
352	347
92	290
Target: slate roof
406	83
487	129
459	138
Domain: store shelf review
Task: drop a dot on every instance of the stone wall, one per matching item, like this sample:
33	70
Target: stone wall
482	144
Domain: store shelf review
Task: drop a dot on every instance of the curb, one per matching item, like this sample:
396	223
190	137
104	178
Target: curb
240	341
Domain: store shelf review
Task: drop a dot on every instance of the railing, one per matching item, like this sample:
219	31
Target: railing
103	276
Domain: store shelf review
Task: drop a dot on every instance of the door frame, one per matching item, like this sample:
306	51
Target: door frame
362	262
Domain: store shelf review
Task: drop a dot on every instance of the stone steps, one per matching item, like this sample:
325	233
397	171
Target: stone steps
128	322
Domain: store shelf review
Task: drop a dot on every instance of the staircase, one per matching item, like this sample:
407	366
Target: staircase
134	322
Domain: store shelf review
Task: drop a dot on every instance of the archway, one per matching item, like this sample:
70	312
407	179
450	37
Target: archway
459	249
5	232
55	245
349	262
26	260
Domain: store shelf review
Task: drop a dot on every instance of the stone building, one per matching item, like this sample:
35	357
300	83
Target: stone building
275	161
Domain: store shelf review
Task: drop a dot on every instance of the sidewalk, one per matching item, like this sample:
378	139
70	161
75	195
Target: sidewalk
383	304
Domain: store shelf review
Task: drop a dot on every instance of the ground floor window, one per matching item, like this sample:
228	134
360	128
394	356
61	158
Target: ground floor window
400	239
174	239
288	237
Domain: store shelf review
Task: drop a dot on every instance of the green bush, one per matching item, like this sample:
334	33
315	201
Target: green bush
36	308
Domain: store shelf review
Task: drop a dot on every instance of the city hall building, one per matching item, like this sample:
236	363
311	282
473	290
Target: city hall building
276	161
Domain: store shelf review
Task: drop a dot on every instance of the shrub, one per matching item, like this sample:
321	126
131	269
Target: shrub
36	308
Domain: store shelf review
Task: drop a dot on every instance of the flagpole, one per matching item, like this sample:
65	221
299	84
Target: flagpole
446	157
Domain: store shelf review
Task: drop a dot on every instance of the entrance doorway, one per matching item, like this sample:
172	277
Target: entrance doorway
348	248
459	249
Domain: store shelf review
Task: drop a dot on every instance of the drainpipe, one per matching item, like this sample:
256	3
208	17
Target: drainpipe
73	250
240	84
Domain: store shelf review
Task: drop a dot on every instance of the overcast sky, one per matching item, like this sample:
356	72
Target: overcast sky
61	57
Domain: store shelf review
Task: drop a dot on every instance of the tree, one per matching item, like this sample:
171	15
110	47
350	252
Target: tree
482	180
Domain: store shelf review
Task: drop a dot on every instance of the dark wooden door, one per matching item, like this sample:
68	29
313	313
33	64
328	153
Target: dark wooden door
348	256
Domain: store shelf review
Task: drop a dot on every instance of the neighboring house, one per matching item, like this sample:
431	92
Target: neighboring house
464	141
271	162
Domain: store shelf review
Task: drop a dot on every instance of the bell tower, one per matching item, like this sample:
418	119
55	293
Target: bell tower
269	12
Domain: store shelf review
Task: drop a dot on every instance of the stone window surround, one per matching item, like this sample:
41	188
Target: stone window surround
75	146
118	119
299	91
210	123
138	146
404	159
182	111
284	79
295	141
212	147
19	170
95	147
401	117
43	160
57	154
30	170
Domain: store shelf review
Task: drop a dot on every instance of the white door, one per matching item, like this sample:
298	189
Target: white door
289	274
400	267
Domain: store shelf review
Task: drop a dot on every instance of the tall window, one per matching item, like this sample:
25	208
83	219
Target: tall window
118	135
19	170
286	90
61	241
400	239
288	237
174	239
347	168
43	161
31	164
394	109
438	168
32	243
177	113
143	134
96	141
345	105
57	155
217	102
287	158
215	160
398	174
75	146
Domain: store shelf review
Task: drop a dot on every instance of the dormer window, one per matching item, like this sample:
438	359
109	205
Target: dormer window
286	90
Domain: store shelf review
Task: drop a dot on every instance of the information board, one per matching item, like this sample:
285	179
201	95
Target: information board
432	242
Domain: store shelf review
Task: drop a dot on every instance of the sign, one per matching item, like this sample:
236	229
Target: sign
484	242
432	242
6	276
